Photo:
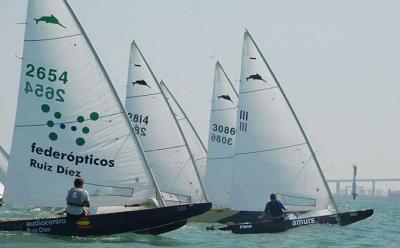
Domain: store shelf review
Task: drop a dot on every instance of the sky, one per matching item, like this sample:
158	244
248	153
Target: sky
336	60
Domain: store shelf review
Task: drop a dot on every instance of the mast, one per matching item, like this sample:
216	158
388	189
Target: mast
184	115
176	122
158	194
298	123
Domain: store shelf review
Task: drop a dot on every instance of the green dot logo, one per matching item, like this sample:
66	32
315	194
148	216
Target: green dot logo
50	123
45	108
94	116
80	141
53	136
68	126
57	115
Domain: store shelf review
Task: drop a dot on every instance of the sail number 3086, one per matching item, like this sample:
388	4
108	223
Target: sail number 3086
40	90
222	131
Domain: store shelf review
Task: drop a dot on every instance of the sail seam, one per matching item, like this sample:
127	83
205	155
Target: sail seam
214	110
57	38
250	91
272	149
144	95
166	148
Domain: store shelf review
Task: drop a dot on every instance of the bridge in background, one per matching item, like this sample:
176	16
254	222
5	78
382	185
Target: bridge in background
373	181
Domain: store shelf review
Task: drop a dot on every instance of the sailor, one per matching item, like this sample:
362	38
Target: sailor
273	210
77	200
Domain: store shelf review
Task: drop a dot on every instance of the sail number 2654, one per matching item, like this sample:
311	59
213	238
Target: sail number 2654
44	74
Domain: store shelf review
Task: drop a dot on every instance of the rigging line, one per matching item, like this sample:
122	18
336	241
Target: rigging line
56	38
121	146
215	110
300	171
165	148
38	125
272	149
144	95
221	158
250	91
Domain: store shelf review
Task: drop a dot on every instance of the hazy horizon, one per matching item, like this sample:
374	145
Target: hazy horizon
337	62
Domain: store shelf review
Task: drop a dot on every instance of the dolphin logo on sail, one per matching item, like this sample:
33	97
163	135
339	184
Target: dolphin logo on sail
226	97
255	77
49	19
140	82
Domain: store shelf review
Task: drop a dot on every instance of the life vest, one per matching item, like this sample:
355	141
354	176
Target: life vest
76	197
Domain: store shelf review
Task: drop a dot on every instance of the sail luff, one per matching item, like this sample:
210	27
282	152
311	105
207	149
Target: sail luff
158	194
184	114
226	76
185	144
297	122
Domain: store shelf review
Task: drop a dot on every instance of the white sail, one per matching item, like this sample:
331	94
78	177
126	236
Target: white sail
70	122
160	135
196	146
221	139
272	154
4	157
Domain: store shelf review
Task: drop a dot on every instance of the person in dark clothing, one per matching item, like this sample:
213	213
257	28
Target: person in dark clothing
273	210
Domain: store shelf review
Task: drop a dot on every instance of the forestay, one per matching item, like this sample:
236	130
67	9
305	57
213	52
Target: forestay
160	135
221	140
196	146
272	152
70	122
4	157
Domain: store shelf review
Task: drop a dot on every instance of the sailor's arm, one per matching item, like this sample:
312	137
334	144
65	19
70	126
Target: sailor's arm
86	203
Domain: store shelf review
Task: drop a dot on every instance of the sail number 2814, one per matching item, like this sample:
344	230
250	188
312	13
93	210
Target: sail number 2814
45	74
137	120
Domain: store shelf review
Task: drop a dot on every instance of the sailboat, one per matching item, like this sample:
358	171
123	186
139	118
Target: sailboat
4	157
196	146
274	155
221	149
71	123
161	136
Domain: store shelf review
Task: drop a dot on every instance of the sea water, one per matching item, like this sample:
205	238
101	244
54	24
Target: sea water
380	230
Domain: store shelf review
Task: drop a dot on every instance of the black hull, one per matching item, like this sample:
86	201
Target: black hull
145	221
242	216
274	227
354	216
